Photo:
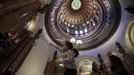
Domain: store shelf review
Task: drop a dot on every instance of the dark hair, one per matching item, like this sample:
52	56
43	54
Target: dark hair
69	44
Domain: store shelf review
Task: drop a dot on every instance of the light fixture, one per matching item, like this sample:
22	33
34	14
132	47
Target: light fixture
72	40
76	43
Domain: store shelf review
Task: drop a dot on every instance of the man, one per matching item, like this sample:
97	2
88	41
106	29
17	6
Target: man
68	54
117	66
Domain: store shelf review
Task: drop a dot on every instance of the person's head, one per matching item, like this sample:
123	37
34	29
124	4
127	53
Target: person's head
118	44
100	58
121	49
67	45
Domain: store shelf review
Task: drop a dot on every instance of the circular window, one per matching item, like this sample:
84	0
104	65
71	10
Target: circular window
91	21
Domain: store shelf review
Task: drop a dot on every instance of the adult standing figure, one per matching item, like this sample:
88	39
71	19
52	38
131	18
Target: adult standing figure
103	68
128	59
117	66
67	54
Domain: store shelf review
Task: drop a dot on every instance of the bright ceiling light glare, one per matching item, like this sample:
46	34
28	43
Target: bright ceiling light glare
73	40
81	31
76	32
78	42
76	4
67	30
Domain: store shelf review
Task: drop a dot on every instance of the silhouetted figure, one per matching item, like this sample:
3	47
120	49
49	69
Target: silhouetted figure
37	35
128	59
103	68
67	57
100	58
95	69
130	9
121	49
117	67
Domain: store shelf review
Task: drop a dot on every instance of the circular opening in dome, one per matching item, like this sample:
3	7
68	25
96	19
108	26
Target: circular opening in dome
76	4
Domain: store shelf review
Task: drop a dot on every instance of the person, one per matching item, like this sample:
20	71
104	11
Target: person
127	59
67	55
37	35
121	49
103	68
117	66
95	69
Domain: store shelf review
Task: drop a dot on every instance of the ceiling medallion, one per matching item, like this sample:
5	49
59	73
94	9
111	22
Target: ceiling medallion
76	4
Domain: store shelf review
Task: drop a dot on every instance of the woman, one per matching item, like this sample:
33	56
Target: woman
68	54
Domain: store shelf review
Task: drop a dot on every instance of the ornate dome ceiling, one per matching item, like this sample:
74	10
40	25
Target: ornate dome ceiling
91	21
77	11
83	18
